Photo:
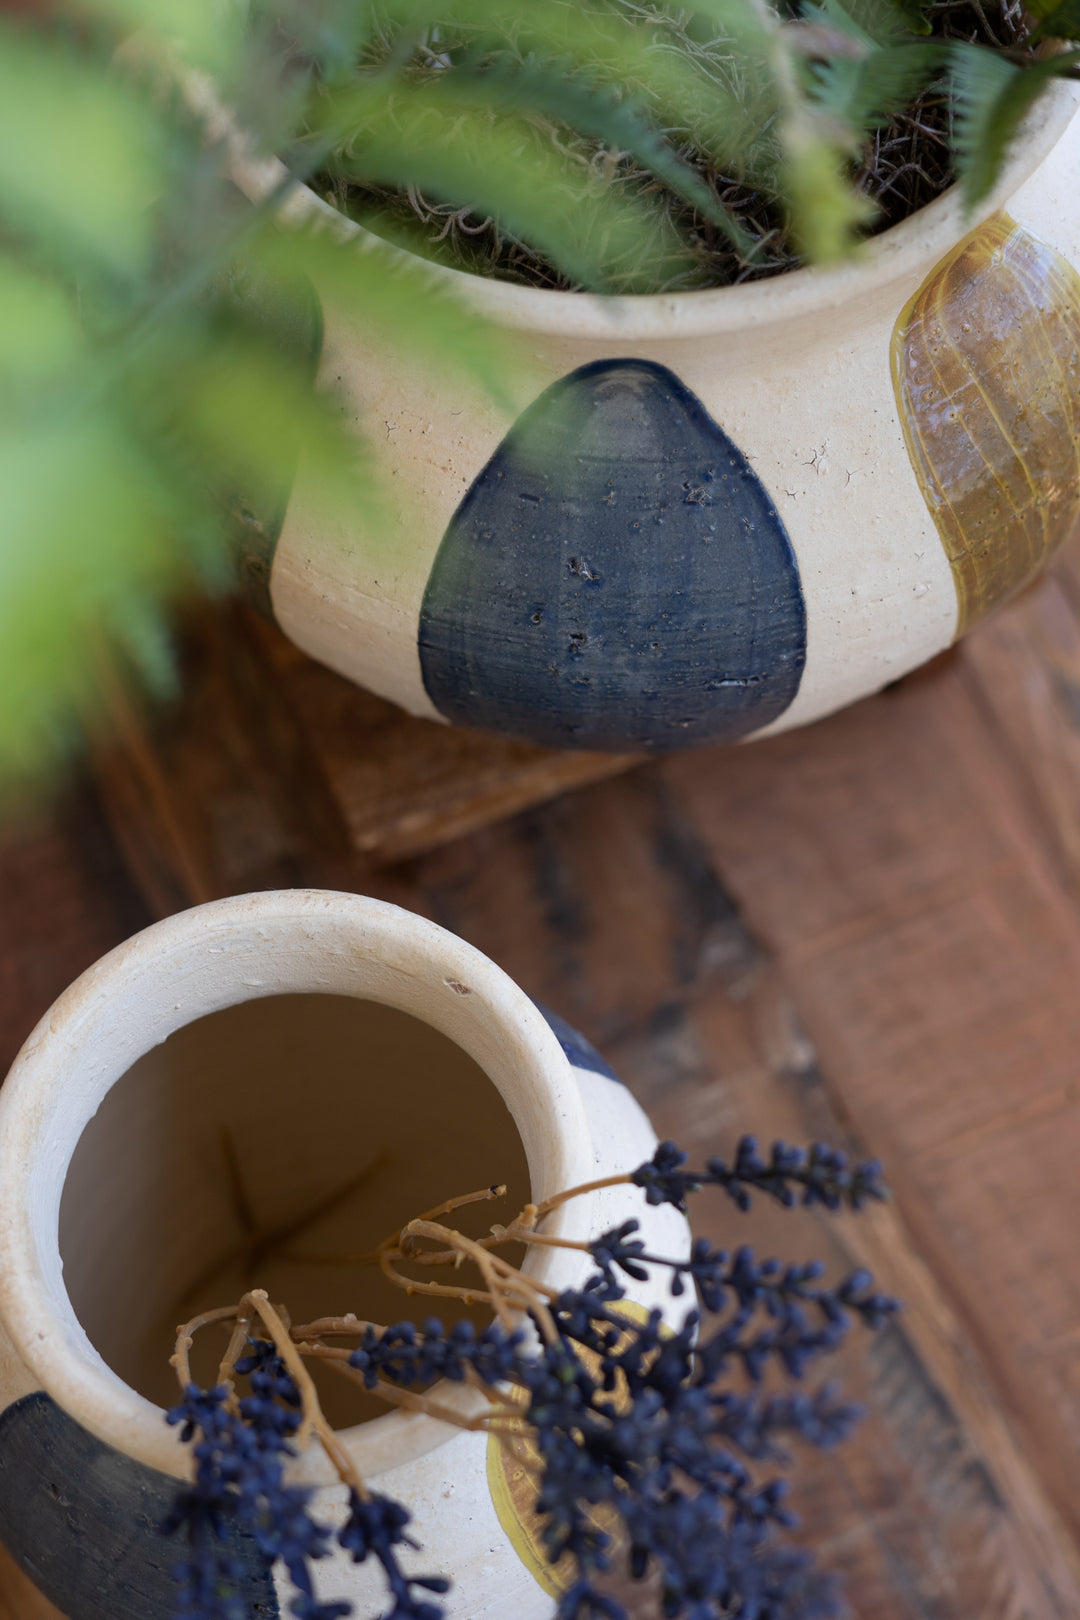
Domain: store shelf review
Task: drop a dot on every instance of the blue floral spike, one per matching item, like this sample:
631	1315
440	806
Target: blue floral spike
641	1424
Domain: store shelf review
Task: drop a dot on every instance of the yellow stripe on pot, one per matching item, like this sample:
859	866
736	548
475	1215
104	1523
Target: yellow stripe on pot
986	368
513	1471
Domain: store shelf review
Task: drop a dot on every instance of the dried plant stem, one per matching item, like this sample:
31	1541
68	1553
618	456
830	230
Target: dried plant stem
394	1394
512	1234
497	1397
237	1340
485	1195
373	1256
185	1338
483	1261
412	1285
350	1325
279	1333
546	1207
313	1421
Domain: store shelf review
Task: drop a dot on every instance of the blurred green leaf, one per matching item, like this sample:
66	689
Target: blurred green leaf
402	303
208	33
454	149
827	214
877	22
991	97
864	93
80	159
80	533
1057	21
39	328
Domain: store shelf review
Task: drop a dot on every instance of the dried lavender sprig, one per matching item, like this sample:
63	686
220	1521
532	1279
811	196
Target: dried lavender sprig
792	1175
645	1427
239	1461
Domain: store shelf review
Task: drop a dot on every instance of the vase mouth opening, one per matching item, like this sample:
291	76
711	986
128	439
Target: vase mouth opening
253	1093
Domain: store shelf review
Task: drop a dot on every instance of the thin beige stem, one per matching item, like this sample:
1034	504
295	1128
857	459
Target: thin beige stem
410	1285
185	1338
314	1420
349	1325
549	1204
394	1395
529	1295
497	1396
542	1291
309	1398
449	1257
512	1235
484	1262
485	1195
227	1366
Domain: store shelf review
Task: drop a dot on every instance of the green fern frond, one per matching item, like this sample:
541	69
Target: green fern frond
1060	21
827	213
719	88
558	91
991	97
864	93
444	140
875	22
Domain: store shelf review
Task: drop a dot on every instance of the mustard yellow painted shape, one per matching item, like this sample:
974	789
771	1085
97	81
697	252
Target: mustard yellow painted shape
513	1471
986	368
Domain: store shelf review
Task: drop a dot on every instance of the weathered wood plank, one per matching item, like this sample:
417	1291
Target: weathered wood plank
19	1597
272	764
898	861
403	785
65	899
1023	671
608	906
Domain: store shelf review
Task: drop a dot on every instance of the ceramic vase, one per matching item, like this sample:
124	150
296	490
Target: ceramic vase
719	514
280	1072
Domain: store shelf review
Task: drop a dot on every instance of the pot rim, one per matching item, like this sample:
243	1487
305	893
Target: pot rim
912	246
308	940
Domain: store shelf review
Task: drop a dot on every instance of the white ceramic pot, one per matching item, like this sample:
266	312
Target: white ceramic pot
721	513
166	1125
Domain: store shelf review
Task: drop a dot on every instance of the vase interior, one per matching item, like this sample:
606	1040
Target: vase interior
262	1146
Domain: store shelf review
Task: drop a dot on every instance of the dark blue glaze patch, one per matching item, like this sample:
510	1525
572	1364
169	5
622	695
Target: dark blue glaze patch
616	578
581	1053
81	1519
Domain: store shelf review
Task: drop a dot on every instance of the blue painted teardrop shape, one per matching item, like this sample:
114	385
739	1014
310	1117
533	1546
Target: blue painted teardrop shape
83	1520
616	578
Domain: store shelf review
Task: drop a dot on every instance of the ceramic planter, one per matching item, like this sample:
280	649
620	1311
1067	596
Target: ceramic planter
720	513
293	1043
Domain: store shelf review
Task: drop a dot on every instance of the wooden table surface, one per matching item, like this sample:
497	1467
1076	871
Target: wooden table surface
869	931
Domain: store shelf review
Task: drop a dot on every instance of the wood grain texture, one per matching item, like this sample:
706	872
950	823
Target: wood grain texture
936	1511
273	762
868	931
19	1597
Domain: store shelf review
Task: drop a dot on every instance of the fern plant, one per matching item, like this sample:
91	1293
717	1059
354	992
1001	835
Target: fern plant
147	396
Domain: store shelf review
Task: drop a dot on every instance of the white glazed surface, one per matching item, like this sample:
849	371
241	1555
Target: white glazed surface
574	1126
